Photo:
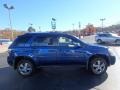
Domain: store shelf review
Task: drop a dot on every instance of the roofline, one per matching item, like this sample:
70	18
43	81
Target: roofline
36	33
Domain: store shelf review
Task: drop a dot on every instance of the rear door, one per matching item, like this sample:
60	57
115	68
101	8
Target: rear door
45	50
107	38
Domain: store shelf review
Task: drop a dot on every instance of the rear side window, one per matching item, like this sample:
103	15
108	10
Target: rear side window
22	41
101	35
104	35
44	41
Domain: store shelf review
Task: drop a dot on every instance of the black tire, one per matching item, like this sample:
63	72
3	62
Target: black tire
101	69
29	70
99	41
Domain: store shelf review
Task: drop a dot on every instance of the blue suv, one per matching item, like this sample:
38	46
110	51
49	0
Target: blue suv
33	50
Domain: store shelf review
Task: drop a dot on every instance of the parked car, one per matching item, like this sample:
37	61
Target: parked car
5	41
107	38
34	50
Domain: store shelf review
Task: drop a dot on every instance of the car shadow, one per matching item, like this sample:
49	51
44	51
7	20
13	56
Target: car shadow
51	78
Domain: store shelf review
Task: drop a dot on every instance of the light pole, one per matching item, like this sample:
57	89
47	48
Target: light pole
30	28
79	25
53	24
102	22
10	22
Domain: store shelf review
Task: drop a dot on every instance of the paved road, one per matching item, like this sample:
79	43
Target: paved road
61	78
3	48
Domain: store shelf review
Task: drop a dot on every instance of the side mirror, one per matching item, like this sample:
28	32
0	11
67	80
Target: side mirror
77	46
74	46
71	45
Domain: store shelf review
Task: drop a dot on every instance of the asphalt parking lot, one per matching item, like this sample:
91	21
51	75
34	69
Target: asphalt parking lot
61	77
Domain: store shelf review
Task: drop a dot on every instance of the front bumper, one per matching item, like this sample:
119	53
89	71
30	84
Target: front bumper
112	60
10	61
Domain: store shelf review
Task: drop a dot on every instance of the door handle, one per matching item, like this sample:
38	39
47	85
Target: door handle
69	51
51	50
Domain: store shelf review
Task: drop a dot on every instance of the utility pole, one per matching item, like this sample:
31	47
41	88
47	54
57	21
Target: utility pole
73	26
79	28
79	25
10	21
39	29
102	23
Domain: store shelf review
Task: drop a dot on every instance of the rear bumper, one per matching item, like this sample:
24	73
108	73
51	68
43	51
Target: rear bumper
112	60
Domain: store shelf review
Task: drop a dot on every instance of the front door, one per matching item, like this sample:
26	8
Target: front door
107	38
70	51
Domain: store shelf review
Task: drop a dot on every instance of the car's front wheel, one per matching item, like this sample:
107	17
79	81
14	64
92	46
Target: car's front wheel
98	65
25	68
117	41
99	41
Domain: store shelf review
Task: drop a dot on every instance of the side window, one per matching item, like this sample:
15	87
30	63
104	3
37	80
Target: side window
100	35
108	35
22	41
105	35
64	41
44	41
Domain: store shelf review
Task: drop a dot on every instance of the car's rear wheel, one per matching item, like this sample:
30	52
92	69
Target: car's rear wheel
25	68
98	65
99	41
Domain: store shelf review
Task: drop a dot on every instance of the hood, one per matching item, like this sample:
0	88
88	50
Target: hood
96	46
117	37
96	49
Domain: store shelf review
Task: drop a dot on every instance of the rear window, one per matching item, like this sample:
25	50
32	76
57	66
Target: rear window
22	41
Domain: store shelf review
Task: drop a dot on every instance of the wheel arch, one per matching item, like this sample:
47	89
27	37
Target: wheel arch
97	55
99	39
19	58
